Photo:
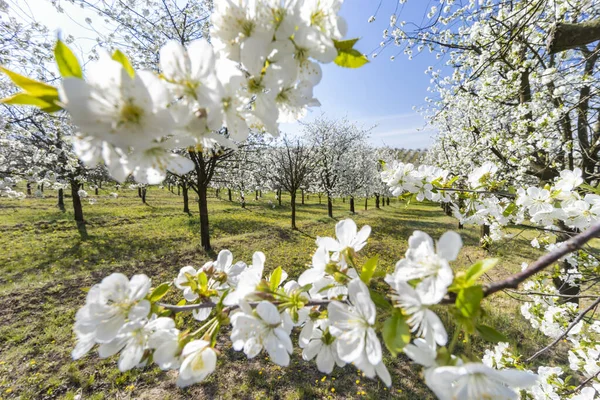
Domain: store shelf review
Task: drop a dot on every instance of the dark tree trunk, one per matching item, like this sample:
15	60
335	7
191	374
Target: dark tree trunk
96	191
217	193
77	209
256	195
293	203
485	231
61	200
186	204
343	199
42	188
383	202
139	191
329	207
302	196
388	201
203	208
366	202
229	194
243	199
28	188
319	198
144	195
376	201
279	196
352	204
563	287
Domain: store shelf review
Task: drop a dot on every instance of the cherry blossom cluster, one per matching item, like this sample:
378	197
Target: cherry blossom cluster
6	189
338	316
259	70
481	197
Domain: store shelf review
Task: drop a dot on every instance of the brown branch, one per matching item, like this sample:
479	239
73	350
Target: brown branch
569	36
571	325
210	304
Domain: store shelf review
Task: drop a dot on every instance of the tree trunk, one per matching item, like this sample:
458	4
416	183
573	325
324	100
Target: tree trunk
77	209
329	206
485	231
388	201
178	190
144	195
203	208
61	200
243	199
343	199
293	202
563	287
42	188
139	191
376	201
302	196
229	194
383	201
279	196
565	36
217	193
319	198
366	202
352	204
28	188
95	190
186	205
256	195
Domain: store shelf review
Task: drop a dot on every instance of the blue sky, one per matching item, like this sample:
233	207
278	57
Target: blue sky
381	93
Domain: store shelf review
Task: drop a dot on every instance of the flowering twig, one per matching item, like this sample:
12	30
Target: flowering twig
574	243
571	325
210	304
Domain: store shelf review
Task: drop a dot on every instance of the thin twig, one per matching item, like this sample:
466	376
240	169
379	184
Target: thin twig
571	325
566	296
210	304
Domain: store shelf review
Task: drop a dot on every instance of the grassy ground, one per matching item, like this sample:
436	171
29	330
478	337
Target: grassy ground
45	267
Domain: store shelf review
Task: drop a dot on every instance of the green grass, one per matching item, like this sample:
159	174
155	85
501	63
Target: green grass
46	266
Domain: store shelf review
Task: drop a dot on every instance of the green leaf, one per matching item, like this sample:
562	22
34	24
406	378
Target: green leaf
348	56
396	333
31	87
350	59
476	270
203	280
159	292
124	61
345	45
368	269
67	63
467	301
512	207
28	100
490	334
380	300
275	279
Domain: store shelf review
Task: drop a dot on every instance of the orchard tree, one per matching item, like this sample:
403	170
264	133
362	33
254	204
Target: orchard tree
332	140
290	164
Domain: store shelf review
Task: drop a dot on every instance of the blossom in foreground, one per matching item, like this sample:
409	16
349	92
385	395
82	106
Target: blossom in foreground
422	320
261	328
199	361
348	238
475	381
353	326
248	280
430	266
111	303
322	345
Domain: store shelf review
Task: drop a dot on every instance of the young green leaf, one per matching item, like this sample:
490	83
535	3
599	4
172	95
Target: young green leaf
350	59
345	45
368	269
396	333
28	100
67	63
31	87
275	278
124	61
476	270
467	301
490	334
380	300
159	292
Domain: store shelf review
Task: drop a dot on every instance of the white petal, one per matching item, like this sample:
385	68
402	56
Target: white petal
268	312
449	245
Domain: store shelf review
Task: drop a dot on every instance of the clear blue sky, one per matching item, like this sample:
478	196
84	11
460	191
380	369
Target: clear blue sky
382	92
